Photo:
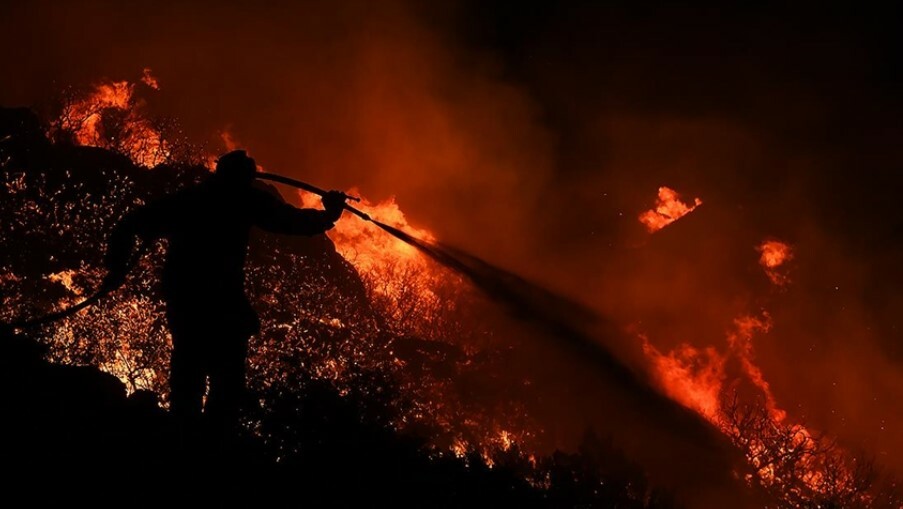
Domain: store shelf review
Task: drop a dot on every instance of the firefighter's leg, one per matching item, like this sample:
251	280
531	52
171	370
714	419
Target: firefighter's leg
187	378
227	380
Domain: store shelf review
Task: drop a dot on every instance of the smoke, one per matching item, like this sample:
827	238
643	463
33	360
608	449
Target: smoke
535	137
649	427
359	95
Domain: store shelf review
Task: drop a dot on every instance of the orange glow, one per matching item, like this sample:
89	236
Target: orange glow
229	140
774	254
110	117
230	143
668	208
375	254
65	278
740	343
691	376
148	79
85	115
694	377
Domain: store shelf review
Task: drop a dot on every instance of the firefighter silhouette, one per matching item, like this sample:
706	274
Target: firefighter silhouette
207	227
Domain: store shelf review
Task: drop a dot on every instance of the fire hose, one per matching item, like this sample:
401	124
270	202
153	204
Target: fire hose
107	288
312	189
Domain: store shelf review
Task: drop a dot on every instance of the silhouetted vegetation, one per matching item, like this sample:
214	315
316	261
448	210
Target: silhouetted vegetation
802	469
304	439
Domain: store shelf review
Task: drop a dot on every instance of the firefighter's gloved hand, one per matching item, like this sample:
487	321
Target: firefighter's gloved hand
334	203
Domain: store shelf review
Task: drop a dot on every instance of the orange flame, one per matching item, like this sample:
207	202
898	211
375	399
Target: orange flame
365	245
230	143
740	342
89	111
149	79
774	254
134	135
371	250
668	208
694	377
691	376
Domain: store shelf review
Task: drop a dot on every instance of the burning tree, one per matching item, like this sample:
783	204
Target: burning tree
113	115
799	468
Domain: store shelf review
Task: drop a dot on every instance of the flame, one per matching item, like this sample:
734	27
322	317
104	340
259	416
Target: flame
740	342
110	117
779	451
774	254
459	448
230	143
374	253
84	117
668	208
691	376
65	278
149	79
694	377
229	140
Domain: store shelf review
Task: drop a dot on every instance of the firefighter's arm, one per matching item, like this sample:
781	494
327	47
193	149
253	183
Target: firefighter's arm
276	216
144	223
119	250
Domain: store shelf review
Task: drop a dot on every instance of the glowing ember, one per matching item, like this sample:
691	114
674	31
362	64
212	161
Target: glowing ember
774	254
65	278
668	208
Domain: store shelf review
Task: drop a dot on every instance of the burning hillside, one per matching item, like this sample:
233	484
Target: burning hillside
622	255
372	311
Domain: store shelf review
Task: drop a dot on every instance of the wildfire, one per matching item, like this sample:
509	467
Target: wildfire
110	117
229	142
668	208
135	341
782	453
774	254
148	78
693	377
372	251
65	278
740	342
